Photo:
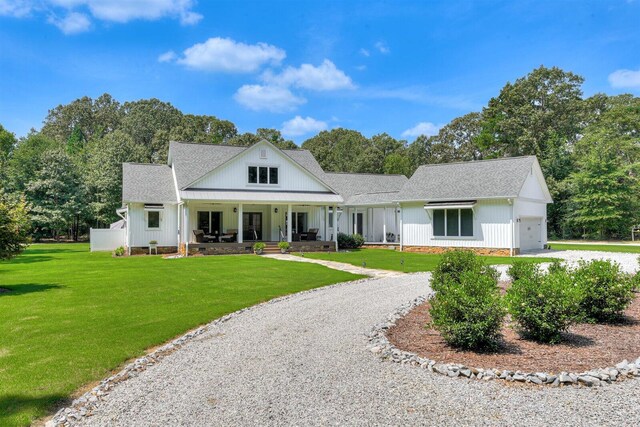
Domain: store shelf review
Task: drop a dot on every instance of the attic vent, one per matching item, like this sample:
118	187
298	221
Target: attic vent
263	153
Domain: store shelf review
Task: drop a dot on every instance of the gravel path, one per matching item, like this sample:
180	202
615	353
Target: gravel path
628	262
304	361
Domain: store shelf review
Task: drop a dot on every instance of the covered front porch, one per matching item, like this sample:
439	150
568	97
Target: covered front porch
212	227
378	224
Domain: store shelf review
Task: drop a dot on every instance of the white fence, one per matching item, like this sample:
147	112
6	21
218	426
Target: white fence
106	240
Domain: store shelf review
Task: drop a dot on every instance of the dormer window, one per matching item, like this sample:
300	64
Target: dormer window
262	175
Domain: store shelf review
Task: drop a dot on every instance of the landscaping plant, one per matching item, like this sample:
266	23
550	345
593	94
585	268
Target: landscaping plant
456	262
542	306
284	246
607	290
346	241
119	251
468	312
258	247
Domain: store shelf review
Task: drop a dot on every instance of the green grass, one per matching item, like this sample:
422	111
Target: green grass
386	259
70	316
588	247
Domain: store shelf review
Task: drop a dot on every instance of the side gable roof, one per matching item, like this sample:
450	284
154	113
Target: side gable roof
365	188
484	179
147	183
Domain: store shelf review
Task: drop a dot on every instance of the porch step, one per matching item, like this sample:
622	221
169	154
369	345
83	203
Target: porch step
271	248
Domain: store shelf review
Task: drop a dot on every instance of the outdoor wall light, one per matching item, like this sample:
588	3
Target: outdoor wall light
235	210
275	210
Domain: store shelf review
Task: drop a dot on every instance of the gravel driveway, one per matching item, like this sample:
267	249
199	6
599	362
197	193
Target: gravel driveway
304	361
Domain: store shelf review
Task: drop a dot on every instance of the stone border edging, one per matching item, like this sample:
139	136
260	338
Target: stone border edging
380	345
89	401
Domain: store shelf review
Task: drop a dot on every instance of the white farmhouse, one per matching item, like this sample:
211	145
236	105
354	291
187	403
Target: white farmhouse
218	199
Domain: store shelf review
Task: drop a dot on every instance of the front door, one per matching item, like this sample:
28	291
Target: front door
251	226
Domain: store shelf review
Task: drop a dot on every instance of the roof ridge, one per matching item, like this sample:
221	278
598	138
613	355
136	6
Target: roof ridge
366	173
209	144
470	162
145	164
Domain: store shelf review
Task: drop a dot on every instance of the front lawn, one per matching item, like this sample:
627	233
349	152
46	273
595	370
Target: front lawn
634	249
410	262
69	317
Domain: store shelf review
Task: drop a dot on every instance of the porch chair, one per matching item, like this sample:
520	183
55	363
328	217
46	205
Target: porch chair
311	234
231	235
203	238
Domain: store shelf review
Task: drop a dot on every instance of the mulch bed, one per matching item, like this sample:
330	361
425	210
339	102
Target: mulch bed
584	347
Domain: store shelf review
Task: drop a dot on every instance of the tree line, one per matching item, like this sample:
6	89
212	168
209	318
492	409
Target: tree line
70	172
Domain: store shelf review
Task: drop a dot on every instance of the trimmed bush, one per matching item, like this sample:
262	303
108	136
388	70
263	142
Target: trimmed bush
346	241
456	262
543	305
521	269
607	291
284	246
470	314
119	251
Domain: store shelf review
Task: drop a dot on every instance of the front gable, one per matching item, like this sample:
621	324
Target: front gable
234	175
534	186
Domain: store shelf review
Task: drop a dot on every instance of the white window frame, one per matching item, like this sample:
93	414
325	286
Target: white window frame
459	236
268	183
146	219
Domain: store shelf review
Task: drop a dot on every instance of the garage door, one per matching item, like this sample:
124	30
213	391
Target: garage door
530	234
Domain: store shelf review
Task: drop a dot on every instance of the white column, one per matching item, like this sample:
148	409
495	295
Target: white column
355	222
384	225
239	222
289	223
326	223
401	230
335	226
187	232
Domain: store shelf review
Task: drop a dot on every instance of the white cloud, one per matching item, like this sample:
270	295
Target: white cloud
321	78
382	47
15	8
364	52
78	12
73	23
300	126
270	98
218	54
168	56
422	128
625	78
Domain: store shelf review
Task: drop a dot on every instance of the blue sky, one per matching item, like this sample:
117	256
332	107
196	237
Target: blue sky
399	67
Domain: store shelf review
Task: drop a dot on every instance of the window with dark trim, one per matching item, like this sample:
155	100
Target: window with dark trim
262	175
453	223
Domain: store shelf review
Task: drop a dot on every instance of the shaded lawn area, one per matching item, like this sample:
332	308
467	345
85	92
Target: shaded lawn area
410	262
70	316
601	248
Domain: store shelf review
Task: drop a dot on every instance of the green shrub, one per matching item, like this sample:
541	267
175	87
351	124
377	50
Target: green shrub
521	269
119	251
543	305
346	241
153	242
284	246
607	291
258	247
470	314
556	266
456	262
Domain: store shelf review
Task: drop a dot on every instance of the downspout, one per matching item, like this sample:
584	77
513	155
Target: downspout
511	231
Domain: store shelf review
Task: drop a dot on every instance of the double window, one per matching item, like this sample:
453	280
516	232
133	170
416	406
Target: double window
263	175
453	223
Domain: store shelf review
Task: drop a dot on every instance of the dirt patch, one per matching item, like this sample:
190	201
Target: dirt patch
583	348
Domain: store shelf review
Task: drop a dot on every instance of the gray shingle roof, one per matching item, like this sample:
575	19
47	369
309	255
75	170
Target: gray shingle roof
147	183
193	161
483	179
360	189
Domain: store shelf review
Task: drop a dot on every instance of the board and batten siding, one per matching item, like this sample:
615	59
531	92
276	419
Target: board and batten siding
491	226
530	209
234	175
140	236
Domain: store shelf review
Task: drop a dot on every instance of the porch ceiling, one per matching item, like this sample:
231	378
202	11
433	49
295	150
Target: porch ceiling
274	197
